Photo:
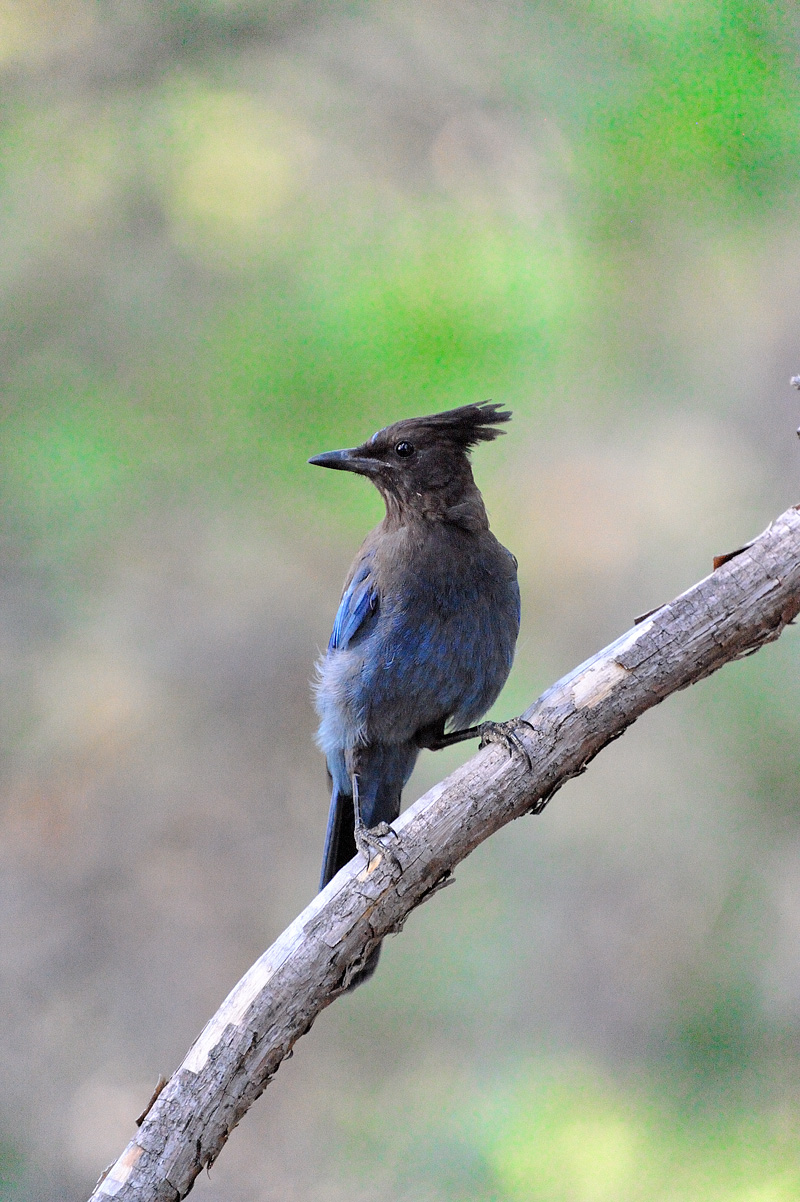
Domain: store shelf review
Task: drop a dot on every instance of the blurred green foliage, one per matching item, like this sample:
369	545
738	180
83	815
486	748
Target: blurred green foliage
330	300
560	1132
11	1172
705	114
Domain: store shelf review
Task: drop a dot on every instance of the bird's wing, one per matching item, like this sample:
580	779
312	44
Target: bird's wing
360	599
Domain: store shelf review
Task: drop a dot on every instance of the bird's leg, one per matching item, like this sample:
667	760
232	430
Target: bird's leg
488	732
370	839
434	739
506	734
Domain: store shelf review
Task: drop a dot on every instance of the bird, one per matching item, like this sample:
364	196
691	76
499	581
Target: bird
424	637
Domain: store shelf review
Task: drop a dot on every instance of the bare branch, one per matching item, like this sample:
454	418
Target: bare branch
744	604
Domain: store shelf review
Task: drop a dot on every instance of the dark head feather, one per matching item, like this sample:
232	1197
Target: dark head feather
421	464
464	427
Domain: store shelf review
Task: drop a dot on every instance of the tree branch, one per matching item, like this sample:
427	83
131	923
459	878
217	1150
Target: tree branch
742	605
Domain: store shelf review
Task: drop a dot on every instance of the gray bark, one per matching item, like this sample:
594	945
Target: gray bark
745	603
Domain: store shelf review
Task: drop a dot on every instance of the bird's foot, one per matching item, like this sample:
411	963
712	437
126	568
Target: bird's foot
506	734
371	841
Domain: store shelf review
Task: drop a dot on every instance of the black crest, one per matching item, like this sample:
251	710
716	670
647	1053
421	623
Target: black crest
464	427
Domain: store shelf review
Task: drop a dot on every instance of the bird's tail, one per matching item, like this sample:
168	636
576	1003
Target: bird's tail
340	847
382	772
340	843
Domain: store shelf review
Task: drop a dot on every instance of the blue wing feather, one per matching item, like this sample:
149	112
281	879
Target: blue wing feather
360	599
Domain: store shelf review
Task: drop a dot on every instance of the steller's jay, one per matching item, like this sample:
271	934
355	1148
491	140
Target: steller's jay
425	632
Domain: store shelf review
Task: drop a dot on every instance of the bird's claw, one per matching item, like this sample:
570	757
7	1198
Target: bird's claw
371	842
505	733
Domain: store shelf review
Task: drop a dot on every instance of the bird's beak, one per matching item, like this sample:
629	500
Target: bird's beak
354	460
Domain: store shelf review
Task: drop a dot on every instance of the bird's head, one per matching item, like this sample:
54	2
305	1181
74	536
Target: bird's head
422	463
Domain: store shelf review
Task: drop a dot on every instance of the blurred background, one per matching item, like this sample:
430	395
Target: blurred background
237	234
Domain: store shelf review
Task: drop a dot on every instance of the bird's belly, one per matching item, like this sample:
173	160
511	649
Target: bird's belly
341	699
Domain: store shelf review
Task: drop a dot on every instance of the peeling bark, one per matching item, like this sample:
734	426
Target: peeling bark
746	602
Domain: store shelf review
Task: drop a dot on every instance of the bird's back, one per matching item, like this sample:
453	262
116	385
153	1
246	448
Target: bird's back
439	642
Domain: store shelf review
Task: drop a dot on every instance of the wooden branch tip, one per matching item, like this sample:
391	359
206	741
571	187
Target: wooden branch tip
745	603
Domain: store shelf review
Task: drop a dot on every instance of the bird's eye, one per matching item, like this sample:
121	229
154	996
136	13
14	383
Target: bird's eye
404	449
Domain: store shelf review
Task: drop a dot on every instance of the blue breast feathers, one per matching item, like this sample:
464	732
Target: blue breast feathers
359	601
